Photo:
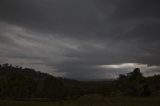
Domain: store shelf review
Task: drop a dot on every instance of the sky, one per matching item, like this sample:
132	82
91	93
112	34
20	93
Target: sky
81	39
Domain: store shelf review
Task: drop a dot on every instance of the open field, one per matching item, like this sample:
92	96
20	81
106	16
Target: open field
91	101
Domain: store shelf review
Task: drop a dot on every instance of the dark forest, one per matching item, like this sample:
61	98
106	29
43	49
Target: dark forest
17	83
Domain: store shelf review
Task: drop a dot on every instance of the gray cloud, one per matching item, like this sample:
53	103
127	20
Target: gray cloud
73	38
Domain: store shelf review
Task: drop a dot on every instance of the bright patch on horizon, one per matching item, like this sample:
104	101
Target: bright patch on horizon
125	65
146	69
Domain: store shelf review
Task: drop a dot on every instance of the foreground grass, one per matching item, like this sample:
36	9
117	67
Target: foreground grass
91	101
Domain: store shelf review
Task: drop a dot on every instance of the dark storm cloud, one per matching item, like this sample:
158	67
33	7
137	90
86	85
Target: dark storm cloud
130	9
59	16
73	38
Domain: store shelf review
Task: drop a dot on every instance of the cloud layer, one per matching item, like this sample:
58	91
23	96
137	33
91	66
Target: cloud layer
76	38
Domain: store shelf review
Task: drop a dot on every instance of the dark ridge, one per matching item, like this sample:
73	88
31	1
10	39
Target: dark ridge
17	83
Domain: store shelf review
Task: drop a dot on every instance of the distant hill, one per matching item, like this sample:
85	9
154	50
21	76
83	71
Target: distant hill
27	84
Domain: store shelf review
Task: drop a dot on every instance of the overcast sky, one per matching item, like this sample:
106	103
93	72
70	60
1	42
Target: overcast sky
81	39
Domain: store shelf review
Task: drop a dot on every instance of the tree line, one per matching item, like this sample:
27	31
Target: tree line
26	83
135	84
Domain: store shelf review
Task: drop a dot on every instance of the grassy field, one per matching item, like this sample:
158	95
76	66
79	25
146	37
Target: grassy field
91	101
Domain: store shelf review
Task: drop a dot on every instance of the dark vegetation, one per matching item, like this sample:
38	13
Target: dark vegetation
17	83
